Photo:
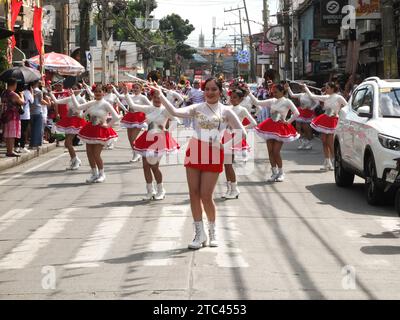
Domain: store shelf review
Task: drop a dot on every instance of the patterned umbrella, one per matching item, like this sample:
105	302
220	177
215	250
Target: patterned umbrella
60	63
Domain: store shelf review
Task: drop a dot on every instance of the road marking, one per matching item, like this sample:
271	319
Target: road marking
31	169
391	225
229	255
11	217
94	250
27	250
167	236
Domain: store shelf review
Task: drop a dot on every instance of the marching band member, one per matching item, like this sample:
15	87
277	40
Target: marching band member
71	124
307	114
133	120
326	123
205	155
154	142
97	133
236	97
277	130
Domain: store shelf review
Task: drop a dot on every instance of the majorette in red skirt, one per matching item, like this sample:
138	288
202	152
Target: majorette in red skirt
277	130
155	143
306	115
239	147
97	134
70	125
325	124
134	120
204	156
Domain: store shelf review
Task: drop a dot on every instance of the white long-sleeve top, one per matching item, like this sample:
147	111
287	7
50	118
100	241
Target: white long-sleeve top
279	108
306	102
98	111
72	110
242	113
332	103
209	121
156	117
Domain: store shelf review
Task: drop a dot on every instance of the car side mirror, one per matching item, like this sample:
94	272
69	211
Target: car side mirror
364	112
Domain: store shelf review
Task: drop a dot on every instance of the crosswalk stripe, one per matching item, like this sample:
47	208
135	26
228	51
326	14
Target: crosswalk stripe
100	241
27	250
391	225
11	217
229	255
167	236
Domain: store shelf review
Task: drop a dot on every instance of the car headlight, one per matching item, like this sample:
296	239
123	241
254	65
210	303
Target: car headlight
389	142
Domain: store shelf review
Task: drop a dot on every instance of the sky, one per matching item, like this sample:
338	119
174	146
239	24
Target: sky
200	13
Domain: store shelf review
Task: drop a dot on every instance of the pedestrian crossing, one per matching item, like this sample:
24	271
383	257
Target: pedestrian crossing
171	231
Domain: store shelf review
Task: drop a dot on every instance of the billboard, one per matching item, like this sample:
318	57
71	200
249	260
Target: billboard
366	9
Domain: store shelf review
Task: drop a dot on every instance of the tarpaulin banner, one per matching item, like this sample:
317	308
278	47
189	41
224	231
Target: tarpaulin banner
15	9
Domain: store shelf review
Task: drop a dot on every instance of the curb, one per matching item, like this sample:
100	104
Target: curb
7	163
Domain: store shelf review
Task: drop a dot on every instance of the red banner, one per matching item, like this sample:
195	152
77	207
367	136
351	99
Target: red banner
37	29
15	9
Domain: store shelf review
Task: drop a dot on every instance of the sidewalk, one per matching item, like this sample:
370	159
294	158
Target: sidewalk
6	163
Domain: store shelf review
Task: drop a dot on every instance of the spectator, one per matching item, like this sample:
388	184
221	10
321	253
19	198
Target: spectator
25	119
37	117
12	107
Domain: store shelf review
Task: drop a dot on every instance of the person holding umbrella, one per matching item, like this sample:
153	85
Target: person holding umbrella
12	106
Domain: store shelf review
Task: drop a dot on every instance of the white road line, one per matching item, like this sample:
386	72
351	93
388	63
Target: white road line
229	254
390	224
27	250
167	237
11	217
94	250
32	169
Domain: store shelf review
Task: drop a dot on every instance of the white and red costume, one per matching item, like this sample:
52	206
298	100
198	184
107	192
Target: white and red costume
156	141
73	121
205	152
133	118
306	108
276	127
327	122
246	119
97	131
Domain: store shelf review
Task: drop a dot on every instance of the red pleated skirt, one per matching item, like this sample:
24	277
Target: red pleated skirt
70	125
242	146
280	131
306	115
97	134
153	144
134	120
204	156
325	124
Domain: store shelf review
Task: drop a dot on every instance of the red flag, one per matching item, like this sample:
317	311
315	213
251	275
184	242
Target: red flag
15	9
37	29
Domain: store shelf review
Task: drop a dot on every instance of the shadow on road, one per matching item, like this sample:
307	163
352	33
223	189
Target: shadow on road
351	200
149	255
381	250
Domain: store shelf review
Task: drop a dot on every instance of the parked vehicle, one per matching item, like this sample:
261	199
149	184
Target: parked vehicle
367	139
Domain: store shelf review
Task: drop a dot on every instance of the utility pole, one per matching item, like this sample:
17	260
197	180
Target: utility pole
265	21
252	69
389	40
286	26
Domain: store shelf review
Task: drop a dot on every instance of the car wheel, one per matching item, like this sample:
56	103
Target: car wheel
397	202
343	178
373	192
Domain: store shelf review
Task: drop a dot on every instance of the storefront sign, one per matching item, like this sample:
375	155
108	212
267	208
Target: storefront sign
366	9
331	12
263	59
275	35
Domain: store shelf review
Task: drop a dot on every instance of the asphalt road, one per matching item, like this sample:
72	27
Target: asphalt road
302	239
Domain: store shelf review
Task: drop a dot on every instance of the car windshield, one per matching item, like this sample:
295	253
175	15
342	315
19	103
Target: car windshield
389	106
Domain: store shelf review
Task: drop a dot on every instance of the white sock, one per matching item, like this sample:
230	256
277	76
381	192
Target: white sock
101	172
280	170
95	172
